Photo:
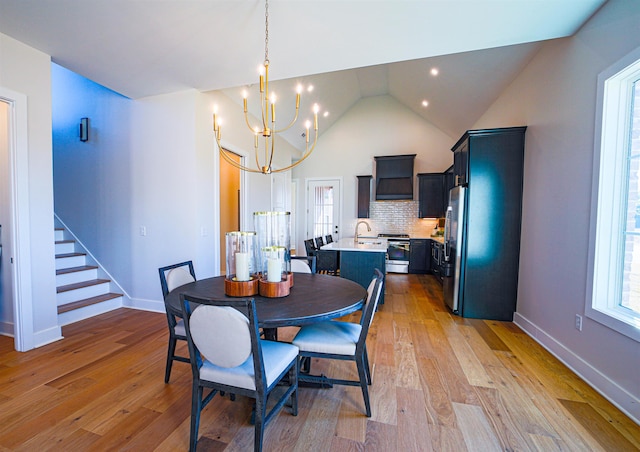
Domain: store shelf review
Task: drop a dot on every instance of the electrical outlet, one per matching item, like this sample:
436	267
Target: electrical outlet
143	231
578	322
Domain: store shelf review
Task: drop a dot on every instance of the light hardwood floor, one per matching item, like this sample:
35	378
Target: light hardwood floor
440	383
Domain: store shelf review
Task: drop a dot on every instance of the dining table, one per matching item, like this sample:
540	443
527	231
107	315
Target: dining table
312	298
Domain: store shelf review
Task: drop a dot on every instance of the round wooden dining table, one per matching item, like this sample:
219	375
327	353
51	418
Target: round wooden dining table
313	298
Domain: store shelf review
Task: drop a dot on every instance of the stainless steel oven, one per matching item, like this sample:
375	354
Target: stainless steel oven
398	248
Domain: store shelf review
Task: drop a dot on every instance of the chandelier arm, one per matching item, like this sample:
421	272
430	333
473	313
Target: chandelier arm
293	121
304	156
246	120
232	162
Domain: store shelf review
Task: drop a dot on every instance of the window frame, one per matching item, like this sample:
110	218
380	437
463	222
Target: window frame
608	207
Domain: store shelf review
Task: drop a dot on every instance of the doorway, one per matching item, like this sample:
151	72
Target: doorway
229	203
6	277
324	208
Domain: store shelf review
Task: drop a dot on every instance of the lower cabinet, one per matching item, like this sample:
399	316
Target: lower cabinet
358	266
419	256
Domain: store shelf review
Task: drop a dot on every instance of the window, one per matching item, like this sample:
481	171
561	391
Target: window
613	294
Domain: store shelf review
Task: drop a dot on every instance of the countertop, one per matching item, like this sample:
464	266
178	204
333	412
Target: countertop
376	245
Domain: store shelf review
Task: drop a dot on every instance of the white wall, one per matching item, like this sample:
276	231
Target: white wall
92	179
374	126
6	284
555	96
27	71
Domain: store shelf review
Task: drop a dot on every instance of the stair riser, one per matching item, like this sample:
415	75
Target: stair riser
80	294
76	277
64	248
89	311
68	262
59	235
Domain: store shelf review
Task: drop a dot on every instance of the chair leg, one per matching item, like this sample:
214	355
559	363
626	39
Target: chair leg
260	414
293	380
362	373
196	402
366	365
171	351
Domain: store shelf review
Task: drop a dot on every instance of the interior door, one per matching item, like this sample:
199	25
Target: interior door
324	207
229	204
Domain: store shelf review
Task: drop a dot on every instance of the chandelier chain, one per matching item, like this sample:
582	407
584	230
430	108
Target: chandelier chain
266	32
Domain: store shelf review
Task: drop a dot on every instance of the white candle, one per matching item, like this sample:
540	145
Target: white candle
274	270
242	266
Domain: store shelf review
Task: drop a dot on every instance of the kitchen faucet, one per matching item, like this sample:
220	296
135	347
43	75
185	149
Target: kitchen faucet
358	224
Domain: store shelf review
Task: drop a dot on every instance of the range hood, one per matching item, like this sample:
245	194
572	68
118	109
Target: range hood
394	177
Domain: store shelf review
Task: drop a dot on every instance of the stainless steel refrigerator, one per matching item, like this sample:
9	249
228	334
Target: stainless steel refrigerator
482	232
453	227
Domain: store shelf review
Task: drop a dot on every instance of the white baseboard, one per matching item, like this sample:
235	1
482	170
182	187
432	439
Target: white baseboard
6	328
609	389
145	305
48	336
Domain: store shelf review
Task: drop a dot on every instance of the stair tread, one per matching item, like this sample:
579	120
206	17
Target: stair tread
64	271
87	302
59	256
60	242
80	285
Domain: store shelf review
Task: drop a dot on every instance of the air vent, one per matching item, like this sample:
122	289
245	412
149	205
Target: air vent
394	177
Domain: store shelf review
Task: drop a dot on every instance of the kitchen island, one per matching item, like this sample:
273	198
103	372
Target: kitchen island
359	258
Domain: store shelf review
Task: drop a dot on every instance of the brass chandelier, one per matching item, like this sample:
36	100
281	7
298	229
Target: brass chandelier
263	164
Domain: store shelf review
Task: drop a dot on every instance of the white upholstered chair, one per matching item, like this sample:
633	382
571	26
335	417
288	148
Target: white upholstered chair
227	355
173	276
343	340
303	264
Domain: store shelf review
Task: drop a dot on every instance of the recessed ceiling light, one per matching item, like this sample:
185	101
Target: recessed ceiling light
434	71
326	113
425	103
310	88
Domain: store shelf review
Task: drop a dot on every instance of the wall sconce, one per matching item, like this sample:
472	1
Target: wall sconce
84	129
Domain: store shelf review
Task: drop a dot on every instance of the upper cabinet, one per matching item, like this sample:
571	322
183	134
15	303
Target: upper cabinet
431	191
364	195
461	164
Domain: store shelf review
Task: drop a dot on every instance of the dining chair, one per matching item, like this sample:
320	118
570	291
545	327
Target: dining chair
310	247
173	276
319	242
303	264
344	341
227	354
329	238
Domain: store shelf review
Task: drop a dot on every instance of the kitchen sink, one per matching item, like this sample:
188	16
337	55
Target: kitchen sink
369	242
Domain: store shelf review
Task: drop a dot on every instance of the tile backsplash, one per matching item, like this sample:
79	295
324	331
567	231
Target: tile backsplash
398	217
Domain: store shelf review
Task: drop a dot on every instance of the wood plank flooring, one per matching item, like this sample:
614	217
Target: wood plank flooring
440	383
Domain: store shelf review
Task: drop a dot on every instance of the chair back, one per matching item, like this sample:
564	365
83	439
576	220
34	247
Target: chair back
369	309
319	242
224	332
299	266
176	275
310	247
329	238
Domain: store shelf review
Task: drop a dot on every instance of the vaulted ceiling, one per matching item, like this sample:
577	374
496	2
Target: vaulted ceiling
348	49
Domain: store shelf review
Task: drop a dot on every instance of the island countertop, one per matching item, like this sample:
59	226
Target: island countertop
377	245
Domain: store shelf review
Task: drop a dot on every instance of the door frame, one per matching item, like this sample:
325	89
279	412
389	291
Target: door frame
307	182
20	218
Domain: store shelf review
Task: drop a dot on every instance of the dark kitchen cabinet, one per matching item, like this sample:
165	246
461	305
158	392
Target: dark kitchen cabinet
431	195
419	256
364	195
487	218
461	164
359	266
449	183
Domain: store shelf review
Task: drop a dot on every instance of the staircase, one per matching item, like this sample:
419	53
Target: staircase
83	290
